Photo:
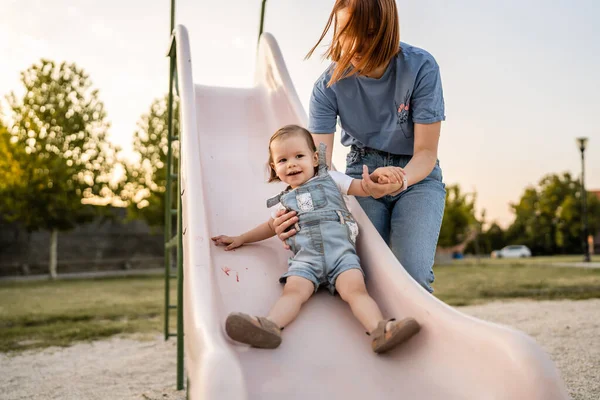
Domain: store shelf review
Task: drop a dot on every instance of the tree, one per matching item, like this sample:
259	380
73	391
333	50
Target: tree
459	217
491	239
147	177
59	130
11	173
548	217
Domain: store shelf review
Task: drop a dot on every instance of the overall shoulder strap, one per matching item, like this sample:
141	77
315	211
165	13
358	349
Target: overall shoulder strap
274	200
322	159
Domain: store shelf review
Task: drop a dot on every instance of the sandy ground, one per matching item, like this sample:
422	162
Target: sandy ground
118	368
135	368
568	330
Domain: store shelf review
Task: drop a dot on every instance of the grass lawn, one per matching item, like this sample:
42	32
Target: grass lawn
464	283
544	260
42	314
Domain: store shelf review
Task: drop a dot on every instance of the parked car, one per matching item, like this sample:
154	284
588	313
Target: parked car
512	251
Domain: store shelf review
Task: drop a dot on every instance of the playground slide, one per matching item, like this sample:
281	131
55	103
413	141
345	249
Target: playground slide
325	354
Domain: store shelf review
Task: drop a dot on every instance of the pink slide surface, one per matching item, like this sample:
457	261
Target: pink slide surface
325	353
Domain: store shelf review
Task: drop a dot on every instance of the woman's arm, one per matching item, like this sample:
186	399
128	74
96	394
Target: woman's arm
326	138
261	232
425	152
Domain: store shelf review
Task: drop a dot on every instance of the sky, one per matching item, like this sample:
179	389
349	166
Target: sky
521	79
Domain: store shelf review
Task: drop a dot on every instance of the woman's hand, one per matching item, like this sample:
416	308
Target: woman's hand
231	242
375	189
388	175
282	222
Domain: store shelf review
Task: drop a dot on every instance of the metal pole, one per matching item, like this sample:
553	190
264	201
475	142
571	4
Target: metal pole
168	191
586	246
172	17
179	256
180	278
479	231
262	18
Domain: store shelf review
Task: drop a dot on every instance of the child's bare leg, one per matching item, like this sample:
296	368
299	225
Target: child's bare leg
297	291
266	332
351	287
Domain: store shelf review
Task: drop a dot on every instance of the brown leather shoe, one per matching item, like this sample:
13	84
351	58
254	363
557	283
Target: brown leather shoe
400	332
243	328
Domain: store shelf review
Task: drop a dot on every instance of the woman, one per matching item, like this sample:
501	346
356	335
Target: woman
389	101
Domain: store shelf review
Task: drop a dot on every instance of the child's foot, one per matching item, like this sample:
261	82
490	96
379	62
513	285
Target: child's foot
257	332
390	333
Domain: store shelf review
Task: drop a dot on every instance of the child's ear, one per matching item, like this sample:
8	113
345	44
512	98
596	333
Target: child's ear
315	159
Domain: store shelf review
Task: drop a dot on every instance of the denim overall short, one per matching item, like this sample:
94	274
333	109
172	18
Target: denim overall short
324	245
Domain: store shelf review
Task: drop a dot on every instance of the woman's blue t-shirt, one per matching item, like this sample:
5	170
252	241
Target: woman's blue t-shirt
380	113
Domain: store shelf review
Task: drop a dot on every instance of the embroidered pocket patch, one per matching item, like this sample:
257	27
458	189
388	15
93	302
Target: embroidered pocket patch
353	226
305	202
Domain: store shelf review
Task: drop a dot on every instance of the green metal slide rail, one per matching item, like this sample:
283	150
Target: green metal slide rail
174	237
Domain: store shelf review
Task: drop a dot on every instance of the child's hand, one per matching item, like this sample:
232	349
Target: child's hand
231	242
388	175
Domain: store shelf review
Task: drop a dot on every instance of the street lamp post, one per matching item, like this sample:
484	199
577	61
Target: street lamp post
581	142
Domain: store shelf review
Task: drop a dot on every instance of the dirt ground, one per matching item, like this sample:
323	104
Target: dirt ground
144	368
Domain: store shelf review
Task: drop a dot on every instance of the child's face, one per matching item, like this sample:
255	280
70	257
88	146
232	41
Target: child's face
293	161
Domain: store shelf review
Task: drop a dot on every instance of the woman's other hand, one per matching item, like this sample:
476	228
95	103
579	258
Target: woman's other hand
388	175
282	222
375	189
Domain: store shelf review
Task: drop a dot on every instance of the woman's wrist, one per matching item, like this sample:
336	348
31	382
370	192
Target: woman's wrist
402	188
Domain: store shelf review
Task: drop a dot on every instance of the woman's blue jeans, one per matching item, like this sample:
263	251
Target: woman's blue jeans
409	222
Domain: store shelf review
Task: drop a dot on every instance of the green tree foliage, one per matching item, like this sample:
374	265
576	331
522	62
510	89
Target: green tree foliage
147	182
59	131
459	217
11	173
548	217
12	176
493	238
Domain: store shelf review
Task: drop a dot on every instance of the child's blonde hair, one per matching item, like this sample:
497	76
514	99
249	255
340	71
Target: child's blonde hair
376	49
287	131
